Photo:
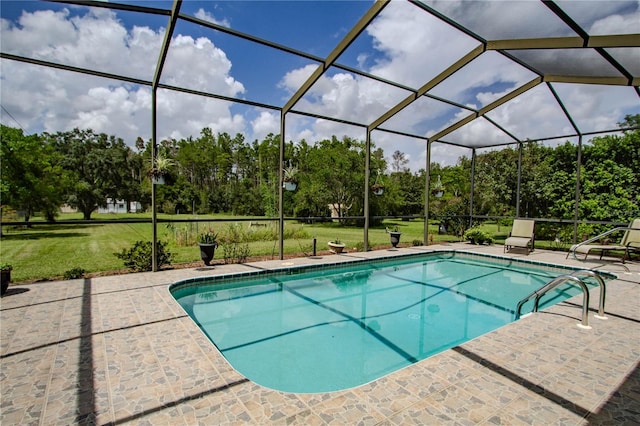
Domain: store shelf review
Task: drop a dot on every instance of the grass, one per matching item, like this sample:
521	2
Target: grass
42	252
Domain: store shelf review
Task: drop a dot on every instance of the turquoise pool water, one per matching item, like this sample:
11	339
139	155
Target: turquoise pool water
326	329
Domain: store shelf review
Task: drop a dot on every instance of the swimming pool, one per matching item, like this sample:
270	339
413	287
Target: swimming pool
323	329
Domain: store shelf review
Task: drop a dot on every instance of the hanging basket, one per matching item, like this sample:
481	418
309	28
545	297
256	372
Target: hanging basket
438	188
290	185
377	190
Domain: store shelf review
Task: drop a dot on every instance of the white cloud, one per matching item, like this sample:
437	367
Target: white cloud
605	17
617	24
412	47
43	99
485	79
496	20
295	78
478	132
362	100
534	114
208	68
412	43
181	115
206	16
265	123
596	107
447	155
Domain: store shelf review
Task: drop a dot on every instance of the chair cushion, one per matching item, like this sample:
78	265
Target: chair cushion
586	248
517	242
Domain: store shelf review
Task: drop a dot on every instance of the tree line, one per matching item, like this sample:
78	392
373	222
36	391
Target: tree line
219	173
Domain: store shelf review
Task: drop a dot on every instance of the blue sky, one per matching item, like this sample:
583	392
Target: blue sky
403	44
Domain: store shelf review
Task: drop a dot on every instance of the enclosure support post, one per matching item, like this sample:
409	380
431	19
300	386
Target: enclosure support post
427	190
367	174
280	189
175	11
576	207
519	179
154	147
473	178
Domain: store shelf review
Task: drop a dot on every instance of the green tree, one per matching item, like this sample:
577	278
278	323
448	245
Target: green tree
404	195
495	180
331	174
98	165
562	181
32	179
611	176
268	160
399	161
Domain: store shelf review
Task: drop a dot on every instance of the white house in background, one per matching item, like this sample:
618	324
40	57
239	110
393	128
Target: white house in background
120	206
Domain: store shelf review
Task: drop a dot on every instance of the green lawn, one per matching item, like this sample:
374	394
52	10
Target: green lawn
47	251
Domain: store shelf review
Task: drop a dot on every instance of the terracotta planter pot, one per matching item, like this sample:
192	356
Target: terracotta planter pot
336	248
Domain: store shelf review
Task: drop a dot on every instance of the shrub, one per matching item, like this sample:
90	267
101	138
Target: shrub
417	243
235	249
168	207
557	244
295	232
477	236
306	249
185	235
548	231
270	233
454	216
74	274
585	231
140	257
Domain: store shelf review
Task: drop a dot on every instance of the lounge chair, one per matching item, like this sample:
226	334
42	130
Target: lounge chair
521	235
630	242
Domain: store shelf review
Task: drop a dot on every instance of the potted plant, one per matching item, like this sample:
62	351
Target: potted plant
208	241
336	246
438	188
5	276
159	169
377	189
289	178
395	236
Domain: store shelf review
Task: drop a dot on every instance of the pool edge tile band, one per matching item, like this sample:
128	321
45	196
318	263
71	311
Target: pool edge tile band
298	269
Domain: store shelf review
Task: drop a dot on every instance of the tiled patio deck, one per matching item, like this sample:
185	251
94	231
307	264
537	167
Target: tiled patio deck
119	350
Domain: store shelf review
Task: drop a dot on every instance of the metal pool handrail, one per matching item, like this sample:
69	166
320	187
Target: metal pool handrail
571	279
573	249
603	289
